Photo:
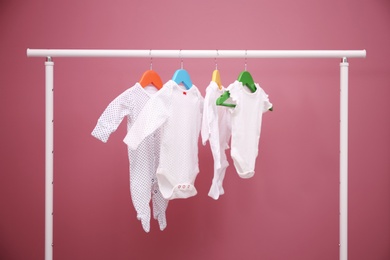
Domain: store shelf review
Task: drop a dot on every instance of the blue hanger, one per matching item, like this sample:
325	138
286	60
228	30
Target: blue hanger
182	76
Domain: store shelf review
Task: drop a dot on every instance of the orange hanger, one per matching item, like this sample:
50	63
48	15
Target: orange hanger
151	77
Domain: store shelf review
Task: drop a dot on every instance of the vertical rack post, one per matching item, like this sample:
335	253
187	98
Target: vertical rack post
49	156
344	159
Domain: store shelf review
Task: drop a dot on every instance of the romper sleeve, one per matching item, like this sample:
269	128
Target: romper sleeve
266	103
234	89
205	130
112	116
152	116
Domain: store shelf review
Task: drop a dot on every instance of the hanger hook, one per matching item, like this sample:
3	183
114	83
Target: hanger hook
151	60
216	64
245	59
181	60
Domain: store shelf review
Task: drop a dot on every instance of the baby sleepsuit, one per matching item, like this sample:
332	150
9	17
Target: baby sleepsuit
216	129
246	126
143	160
179	113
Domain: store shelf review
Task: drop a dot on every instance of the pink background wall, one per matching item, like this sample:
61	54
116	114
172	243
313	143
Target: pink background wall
288	210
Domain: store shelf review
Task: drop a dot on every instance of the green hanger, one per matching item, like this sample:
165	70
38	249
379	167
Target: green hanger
246	79
220	101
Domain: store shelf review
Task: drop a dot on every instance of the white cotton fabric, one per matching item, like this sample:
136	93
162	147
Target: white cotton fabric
143	160
216	128
179	113
246	126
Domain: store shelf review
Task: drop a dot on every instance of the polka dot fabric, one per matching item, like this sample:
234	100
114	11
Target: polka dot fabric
143	160
179	112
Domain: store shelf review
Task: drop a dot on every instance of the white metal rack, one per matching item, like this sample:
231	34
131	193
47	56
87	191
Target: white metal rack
49	108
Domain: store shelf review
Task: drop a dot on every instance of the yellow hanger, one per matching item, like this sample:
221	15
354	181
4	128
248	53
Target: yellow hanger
217	78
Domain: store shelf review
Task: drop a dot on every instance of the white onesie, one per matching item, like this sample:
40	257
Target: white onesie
216	129
179	112
144	159
246	126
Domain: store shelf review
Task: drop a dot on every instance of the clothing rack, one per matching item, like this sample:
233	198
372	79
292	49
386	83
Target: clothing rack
49	111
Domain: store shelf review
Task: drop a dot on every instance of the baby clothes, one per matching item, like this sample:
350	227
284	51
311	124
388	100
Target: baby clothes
143	160
246	126
179	112
216	129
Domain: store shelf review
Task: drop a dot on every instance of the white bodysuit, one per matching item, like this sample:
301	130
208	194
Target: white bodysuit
143	160
179	112
246	126
216	129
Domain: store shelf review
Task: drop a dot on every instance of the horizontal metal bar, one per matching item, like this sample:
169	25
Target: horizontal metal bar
197	53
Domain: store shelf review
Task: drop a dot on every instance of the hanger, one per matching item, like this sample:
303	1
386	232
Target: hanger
216	77
221	100
247	80
151	77
182	76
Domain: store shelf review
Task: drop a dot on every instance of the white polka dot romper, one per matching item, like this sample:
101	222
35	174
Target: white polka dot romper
143	160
